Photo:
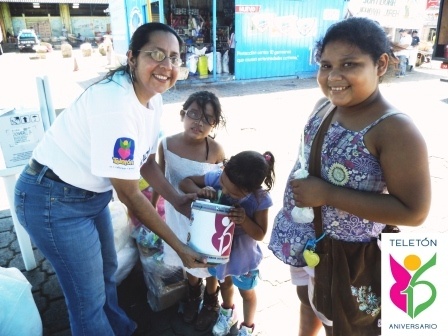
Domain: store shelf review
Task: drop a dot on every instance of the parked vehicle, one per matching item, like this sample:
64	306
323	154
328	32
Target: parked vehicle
27	39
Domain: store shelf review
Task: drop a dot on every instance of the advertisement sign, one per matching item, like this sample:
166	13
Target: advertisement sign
414	278
277	38
390	13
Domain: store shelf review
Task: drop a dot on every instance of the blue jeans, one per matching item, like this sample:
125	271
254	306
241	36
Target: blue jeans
73	229
403	65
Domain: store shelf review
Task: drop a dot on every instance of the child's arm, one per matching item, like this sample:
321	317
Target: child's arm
196	184
192	184
256	227
161	162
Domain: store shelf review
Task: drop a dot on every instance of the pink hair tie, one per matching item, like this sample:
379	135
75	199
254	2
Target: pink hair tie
267	157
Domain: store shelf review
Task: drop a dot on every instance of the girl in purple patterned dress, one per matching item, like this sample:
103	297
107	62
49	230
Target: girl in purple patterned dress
374	168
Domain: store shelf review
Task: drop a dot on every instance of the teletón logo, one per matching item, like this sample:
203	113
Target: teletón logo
408	278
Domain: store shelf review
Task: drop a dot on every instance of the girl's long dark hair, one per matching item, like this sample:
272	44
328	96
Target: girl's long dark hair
248	170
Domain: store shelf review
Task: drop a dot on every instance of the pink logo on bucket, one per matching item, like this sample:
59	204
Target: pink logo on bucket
211	231
222	238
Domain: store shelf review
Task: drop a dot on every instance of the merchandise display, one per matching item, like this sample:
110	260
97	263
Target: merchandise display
195	27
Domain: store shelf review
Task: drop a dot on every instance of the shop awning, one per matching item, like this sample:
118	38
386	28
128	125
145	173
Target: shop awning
61	1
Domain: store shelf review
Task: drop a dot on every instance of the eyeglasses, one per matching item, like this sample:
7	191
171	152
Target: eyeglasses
159	56
198	115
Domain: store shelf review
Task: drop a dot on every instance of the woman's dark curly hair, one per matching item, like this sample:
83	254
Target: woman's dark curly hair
363	33
202	98
248	170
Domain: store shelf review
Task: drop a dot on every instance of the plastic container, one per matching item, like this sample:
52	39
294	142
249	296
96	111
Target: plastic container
211	231
203	65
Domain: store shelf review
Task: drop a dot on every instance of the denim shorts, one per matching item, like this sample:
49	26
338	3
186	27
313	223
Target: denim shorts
245	282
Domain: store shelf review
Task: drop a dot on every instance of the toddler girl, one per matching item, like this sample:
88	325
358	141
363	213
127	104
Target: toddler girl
240	183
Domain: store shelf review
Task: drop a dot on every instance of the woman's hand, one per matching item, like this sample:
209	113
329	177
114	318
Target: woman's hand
183	204
309	192
191	259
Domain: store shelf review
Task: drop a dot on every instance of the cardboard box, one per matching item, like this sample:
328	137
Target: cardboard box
20	132
169	296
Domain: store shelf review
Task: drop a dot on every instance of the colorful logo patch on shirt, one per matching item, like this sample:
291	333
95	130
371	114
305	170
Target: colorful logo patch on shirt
124	152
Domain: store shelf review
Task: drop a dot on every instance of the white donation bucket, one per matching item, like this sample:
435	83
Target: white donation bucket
211	231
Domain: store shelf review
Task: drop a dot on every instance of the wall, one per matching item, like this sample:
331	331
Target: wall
86	26
197	4
5	17
126	16
119	27
137	12
442	33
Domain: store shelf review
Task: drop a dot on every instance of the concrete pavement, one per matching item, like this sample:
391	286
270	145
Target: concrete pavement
261	115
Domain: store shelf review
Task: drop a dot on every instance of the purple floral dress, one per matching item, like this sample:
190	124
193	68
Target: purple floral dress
346	162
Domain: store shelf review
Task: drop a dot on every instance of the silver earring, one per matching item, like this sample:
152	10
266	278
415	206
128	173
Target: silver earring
131	74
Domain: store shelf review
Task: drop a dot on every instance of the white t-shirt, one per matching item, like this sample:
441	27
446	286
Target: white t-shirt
232	42
406	39
105	133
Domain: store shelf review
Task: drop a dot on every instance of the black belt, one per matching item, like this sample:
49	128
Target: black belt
37	167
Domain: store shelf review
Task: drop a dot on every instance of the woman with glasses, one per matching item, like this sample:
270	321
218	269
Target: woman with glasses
193	152
105	140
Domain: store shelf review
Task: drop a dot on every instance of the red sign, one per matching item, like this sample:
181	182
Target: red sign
247	9
432	4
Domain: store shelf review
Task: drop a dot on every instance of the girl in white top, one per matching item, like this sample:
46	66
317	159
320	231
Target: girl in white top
193	152
106	139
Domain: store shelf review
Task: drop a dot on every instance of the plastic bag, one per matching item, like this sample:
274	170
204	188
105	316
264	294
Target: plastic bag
210	61
127	253
121	224
218	62
225	62
200	52
18	313
147	240
160	206
192	63
166	284
157	273
302	215
127	258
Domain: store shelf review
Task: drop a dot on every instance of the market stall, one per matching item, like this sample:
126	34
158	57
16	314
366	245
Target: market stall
193	21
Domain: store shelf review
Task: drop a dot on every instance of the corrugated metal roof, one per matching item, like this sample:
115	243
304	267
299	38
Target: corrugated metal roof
61	1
